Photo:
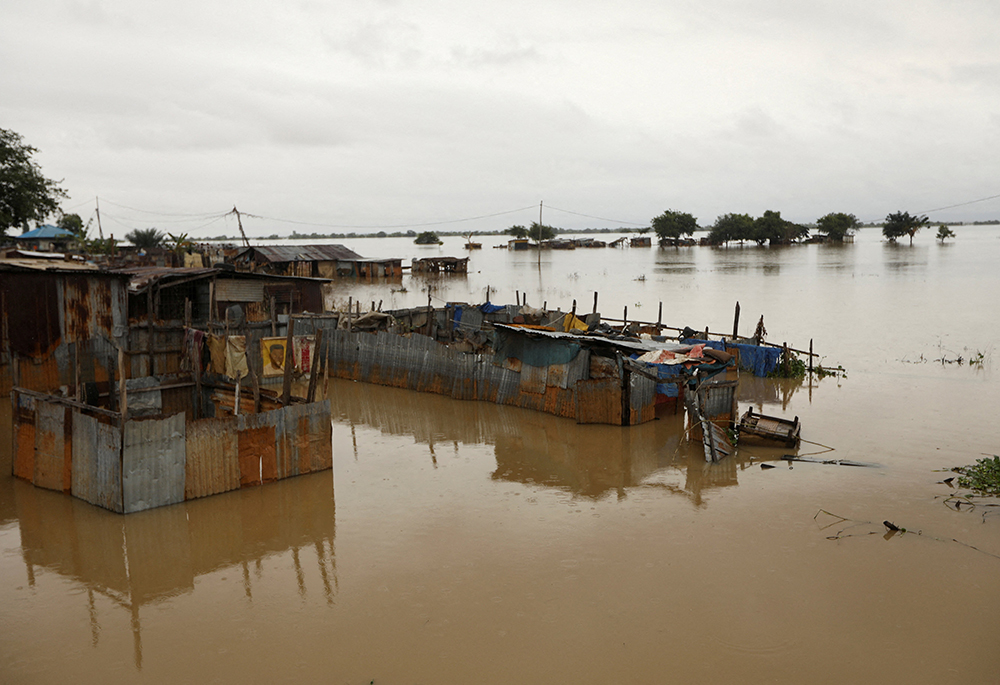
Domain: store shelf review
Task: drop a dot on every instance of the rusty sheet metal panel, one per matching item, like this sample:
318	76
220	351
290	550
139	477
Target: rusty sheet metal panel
534	379
719	401
304	439
153	463
97	462
212	457
642	399
23	420
33	325
52	461
257	448
239	290
599	401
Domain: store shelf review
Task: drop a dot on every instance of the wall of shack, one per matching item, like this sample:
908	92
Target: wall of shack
166	459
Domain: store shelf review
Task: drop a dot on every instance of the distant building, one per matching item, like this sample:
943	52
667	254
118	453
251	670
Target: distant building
315	261
46	238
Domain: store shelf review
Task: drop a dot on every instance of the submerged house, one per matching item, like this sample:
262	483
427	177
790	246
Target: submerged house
315	261
117	400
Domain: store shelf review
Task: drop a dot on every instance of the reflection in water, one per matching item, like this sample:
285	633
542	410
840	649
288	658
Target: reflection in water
149	557
534	448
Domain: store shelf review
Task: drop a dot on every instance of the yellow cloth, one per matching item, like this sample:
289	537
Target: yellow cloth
236	356
217	349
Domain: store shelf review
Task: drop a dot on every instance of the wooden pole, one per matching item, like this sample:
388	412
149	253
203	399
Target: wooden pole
350	310
572	318
121	384
197	387
149	328
659	315
314	370
326	371
595	302
736	321
810	355
274	319
784	357
252	350
78	387
286	388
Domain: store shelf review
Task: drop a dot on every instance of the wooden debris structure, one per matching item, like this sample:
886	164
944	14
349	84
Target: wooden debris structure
435	265
755	425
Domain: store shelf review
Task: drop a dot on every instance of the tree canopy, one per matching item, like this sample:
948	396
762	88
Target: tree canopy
428	238
836	225
518	232
25	194
671	225
770	227
731	227
539	232
944	233
72	222
901	223
145	238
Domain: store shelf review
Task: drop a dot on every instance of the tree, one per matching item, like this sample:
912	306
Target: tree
671	225
145	238
772	228
901	223
731	227
428	238
539	232
944	233
25	194
72	222
837	225
517	232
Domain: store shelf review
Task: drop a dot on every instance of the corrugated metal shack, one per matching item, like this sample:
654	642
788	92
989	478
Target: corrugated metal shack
435	265
315	261
110	402
591	380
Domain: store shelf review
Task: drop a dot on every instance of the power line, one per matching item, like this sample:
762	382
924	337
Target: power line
600	218
960	204
415	225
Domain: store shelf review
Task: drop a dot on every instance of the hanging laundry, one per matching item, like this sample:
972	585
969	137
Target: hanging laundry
217	348
236	356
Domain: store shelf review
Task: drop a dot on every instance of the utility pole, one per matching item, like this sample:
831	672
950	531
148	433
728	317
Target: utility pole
99	229
239	221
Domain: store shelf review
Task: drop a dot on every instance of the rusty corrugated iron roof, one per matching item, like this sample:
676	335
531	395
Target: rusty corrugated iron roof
302	253
142	276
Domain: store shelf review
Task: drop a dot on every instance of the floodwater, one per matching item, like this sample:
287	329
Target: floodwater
463	542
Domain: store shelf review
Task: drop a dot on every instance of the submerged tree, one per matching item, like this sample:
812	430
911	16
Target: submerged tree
428	238
25	194
901	223
539	232
944	233
837	225
671	225
145	238
517	231
731	227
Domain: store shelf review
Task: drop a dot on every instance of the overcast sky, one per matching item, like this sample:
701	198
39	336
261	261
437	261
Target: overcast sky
367	115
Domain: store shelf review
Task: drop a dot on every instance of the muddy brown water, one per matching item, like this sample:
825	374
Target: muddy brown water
462	542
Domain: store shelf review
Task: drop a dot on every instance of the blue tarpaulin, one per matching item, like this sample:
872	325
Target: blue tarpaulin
488	308
757	359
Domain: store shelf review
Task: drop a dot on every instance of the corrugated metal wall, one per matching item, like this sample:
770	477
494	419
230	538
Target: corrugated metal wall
212	464
97	465
153	459
419	363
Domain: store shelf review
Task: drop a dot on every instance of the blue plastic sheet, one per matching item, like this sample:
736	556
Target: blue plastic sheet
757	359
488	308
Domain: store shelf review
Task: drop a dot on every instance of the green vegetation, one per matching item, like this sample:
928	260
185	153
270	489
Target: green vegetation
25	194
72	222
517	232
539	232
792	368
944	233
671	225
983	476
731	227
837	225
145	238
901	223
428	238
770	227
